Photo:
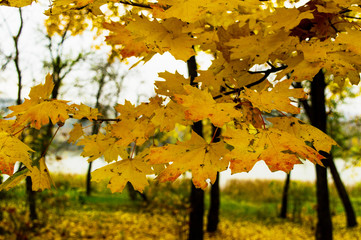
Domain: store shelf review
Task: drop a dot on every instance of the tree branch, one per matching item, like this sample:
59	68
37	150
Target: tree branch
133	4
266	75
357	18
16	57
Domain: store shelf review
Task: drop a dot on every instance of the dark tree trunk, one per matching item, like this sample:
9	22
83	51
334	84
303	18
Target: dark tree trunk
88	180
318	119
324	224
31	199
350	213
197	195
213	213
95	130
131	192
196	214
284	207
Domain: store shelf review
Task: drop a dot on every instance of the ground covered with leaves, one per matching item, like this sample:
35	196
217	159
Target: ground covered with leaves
66	213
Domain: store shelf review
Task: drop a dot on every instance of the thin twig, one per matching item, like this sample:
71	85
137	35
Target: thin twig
51	140
107	120
214	134
14	134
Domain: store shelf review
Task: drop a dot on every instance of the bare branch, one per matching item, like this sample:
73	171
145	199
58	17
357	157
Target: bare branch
16	57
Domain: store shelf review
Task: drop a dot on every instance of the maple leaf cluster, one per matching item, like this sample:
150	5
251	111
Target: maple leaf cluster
234	94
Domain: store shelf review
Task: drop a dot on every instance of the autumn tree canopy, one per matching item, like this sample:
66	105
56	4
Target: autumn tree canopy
249	40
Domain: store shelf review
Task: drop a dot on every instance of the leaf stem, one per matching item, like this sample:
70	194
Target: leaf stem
14	134
51	140
214	134
133	150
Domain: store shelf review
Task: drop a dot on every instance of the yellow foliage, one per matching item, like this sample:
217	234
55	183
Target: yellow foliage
39	108
202	158
277	98
133	170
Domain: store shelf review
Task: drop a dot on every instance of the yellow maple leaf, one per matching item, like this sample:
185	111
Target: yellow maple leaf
202	158
187	11
39	108
287	18
133	170
38	114
84	111
128	45
167	117
98	145
61	6
40	176
146	109
279	150
127	131
173	84
16	3
8	127
258	47
127	110
201	105
42	91
13	150
163	36
278	98
306	132
76	133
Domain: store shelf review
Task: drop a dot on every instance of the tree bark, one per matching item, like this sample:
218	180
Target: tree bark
197	195
31	199
196	214
350	213
88	180
318	119
284	207
213	213
196	203
16	57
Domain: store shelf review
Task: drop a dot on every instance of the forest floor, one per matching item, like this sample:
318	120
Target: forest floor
249	210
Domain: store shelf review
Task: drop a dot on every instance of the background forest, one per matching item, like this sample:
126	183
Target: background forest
104	58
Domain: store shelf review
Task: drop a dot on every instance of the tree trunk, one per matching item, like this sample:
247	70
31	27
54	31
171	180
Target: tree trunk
197	195
318	119
196	214
31	199
131	192
88	179
284	207
213	213
350	213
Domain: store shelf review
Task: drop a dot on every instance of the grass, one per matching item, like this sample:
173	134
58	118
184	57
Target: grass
249	210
